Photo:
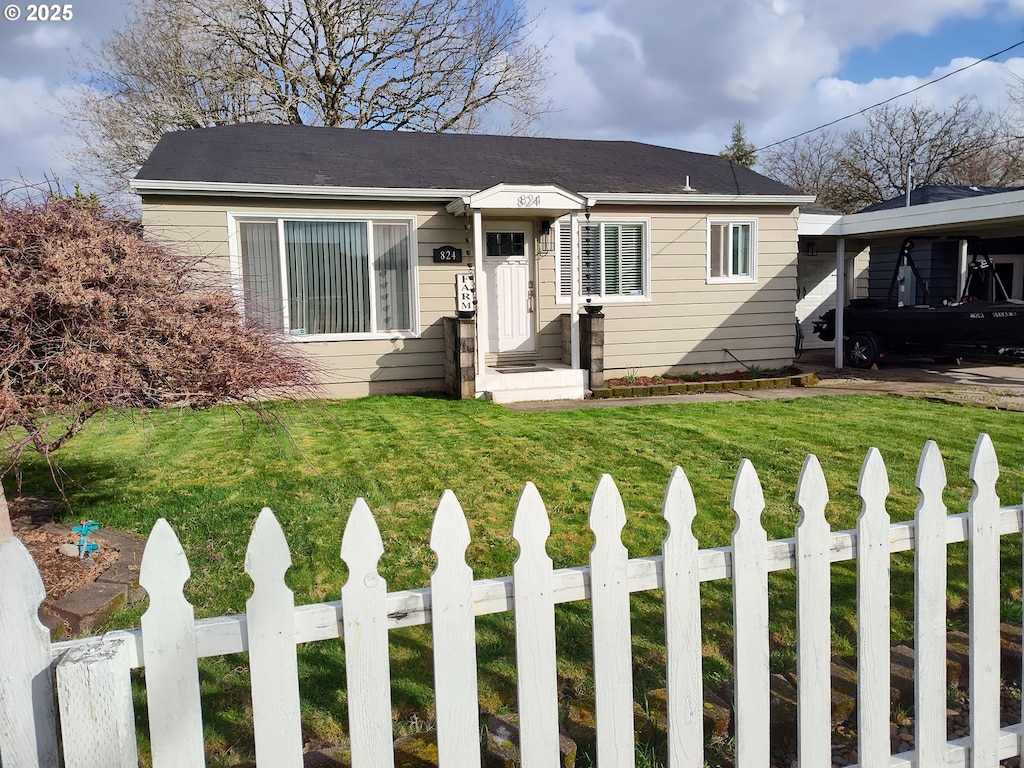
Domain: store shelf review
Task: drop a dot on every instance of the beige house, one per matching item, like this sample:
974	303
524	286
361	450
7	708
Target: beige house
358	244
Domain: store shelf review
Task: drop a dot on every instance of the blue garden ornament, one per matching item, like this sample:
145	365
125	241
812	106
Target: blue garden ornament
85	547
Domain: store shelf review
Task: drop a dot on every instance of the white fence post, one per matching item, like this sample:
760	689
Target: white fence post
270	628
28	731
454	631
983	608
750	621
367	665
873	697
930	610
169	643
684	685
613	641
536	680
813	620
97	717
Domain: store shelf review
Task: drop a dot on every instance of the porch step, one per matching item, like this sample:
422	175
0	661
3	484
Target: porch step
534	384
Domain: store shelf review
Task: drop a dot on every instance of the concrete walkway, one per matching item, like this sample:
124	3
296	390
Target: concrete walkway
985	384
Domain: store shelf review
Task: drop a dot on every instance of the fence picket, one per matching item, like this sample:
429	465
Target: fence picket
97	717
537	683
750	620
814	620
367	664
683	665
454	631
28	731
983	591
169	648
873	614
930	610
270	627
613	650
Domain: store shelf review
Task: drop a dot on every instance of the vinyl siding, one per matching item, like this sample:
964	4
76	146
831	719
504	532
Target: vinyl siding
687	324
350	367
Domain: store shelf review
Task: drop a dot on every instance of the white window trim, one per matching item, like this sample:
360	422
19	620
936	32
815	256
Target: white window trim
643	298
738	279
235	263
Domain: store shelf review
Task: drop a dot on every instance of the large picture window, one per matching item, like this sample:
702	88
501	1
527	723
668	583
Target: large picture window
327	278
614	260
732	251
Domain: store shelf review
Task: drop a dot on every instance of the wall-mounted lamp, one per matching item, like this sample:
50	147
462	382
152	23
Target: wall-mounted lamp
811	248
547	239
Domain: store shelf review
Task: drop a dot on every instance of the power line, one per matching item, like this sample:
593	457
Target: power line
893	98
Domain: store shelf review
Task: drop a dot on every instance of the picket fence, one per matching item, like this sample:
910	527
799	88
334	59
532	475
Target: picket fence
94	700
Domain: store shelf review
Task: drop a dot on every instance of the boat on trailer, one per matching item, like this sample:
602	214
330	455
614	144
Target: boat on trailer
979	321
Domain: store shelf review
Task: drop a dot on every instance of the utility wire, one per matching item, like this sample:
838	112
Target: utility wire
893	98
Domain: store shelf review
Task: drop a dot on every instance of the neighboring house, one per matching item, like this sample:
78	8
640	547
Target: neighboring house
351	243
946	223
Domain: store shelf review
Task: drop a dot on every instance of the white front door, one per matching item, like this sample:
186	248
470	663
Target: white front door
507	270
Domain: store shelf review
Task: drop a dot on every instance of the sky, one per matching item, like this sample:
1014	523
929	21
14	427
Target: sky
678	73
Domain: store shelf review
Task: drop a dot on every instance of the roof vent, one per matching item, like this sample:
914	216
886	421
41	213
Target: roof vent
687	187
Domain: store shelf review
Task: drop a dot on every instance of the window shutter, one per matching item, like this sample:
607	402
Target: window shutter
565	258
611	260
590	245
631	259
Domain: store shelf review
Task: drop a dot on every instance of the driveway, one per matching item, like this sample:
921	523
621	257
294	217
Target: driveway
983	384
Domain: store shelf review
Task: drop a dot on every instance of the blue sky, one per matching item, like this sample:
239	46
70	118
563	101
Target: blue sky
912	53
664	71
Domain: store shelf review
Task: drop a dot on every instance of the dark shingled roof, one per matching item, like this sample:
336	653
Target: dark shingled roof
935	193
344	157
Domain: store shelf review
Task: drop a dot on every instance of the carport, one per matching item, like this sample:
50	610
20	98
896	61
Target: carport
868	241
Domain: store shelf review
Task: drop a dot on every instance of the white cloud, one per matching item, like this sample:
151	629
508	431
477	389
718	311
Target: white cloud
32	138
682	73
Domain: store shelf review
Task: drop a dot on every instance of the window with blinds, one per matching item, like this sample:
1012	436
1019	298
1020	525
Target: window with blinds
335	277
731	251
613	259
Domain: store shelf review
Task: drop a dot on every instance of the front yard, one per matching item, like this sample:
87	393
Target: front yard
210	473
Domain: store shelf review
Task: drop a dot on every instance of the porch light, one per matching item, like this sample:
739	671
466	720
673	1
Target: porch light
547	238
811	248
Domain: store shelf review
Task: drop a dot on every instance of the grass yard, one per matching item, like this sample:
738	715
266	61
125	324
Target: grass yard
210	473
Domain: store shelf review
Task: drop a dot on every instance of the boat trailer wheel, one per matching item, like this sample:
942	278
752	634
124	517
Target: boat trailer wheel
862	350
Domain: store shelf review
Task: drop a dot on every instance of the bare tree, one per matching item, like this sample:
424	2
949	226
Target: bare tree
424	65
810	164
963	144
93	317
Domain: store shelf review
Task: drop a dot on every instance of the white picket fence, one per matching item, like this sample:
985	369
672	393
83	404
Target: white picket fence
94	702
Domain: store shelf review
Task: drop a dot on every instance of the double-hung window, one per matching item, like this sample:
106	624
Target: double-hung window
338	278
615	260
732	250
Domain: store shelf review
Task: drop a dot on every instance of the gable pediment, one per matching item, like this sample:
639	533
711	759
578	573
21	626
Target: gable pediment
548	199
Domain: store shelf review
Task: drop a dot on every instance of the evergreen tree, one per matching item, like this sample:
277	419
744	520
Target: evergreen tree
739	150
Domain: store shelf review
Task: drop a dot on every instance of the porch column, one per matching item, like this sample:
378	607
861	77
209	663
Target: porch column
482	329
961	273
840	298
575	269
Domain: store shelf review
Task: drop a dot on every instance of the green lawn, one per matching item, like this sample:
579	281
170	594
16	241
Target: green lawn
210	473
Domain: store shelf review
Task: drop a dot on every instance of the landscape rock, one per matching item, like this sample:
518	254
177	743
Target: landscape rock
501	745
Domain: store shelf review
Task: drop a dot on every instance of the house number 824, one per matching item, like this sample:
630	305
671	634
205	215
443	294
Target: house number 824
528	201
